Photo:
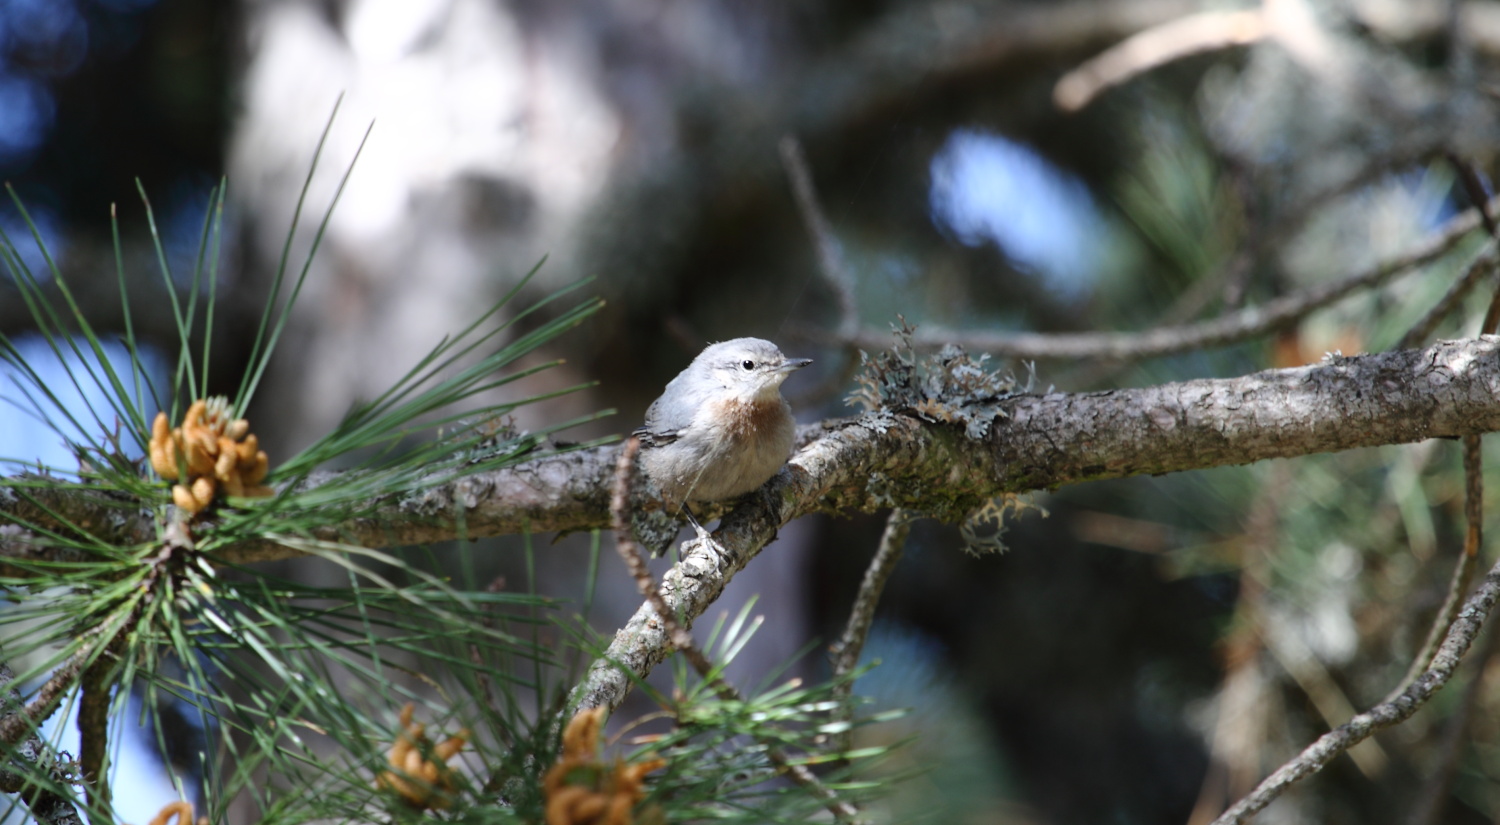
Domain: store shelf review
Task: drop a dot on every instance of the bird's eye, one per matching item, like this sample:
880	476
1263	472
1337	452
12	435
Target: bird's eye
747	364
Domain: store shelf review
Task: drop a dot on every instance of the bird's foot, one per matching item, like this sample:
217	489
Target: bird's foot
704	537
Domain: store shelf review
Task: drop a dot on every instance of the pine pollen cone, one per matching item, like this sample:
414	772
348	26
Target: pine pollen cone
208	455
180	811
582	790
423	783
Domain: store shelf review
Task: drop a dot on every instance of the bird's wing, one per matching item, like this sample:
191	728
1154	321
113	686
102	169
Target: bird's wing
653	438
671	414
660	428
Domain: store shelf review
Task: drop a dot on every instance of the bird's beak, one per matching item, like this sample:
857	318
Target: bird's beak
793	364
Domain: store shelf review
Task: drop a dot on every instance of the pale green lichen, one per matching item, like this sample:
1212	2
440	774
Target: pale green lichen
881	490
985	526
950	387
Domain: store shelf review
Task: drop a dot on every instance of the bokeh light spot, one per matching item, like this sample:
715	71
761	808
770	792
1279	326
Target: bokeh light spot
988	188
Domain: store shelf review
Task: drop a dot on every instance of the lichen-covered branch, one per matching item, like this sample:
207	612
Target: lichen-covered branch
893	459
28	756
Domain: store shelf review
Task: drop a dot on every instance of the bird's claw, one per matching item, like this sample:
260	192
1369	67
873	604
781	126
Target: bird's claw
704	537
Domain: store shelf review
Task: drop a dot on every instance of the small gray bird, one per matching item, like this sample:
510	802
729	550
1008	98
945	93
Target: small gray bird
721	428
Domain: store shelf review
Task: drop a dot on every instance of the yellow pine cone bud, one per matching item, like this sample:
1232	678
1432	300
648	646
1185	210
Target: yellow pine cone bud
221	455
257	468
162	450
237	429
203	491
229	456
233	486
247	448
183	497
421	784
580	789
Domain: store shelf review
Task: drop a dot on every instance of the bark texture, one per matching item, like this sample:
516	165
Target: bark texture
890	458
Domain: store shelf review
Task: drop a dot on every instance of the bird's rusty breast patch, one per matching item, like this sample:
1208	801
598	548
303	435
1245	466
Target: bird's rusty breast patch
741	418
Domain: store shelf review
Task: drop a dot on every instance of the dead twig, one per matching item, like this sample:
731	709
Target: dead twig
1226	329
831	262
1430	803
635	562
1460	636
1473	458
1463	572
1157	46
1481	265
1434	795
844	654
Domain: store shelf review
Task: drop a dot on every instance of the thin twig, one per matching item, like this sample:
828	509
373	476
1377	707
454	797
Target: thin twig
1473	186
1435	791
1157	46
1226	329
832	264
830	255
1460	636
1457	628
681	639
1473	458
1482	264
1434	795
843	655
1463	572
635	561
1474	189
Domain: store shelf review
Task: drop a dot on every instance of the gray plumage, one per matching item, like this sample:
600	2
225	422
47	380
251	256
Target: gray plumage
721	428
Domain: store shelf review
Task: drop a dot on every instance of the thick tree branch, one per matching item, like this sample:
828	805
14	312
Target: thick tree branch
891	459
